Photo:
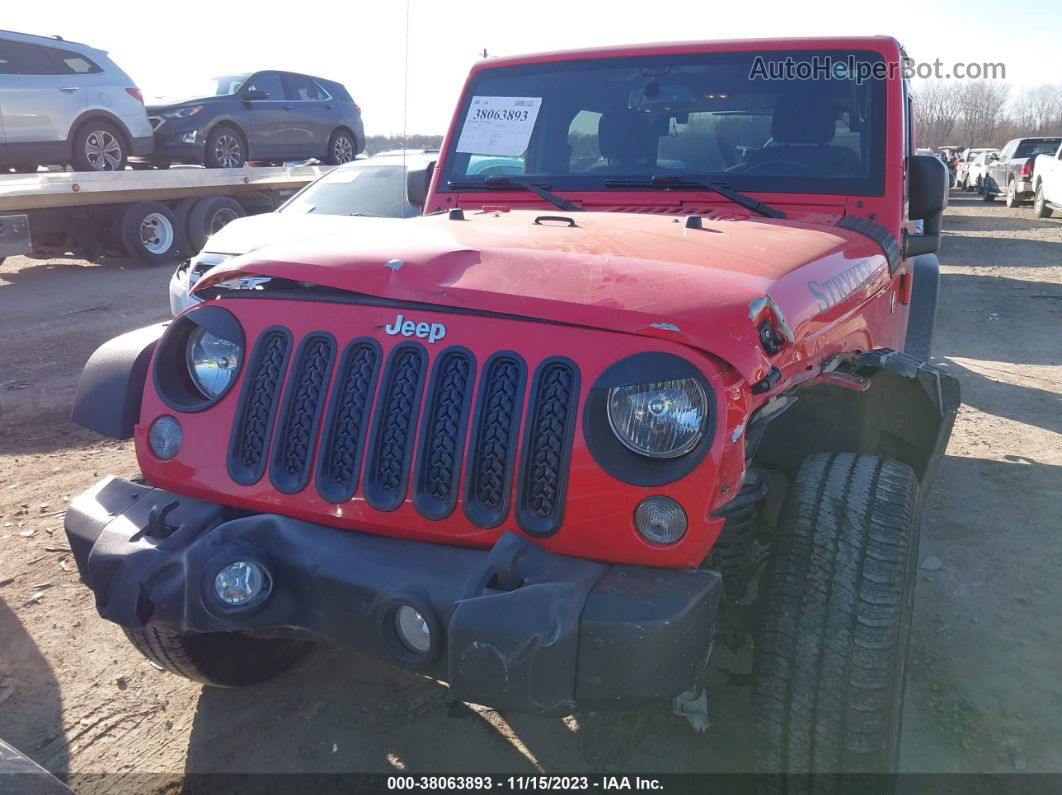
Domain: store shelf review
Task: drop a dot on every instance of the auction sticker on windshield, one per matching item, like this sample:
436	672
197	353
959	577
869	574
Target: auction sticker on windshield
498	125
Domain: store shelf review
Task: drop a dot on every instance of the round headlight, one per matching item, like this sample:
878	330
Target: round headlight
212	362
664	419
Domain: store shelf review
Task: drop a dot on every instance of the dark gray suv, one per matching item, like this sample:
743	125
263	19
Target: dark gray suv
266	115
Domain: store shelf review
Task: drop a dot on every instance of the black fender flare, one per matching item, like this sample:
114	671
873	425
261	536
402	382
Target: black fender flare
111	386
922	317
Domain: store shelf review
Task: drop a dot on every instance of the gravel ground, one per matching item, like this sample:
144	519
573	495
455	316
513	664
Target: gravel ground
983	695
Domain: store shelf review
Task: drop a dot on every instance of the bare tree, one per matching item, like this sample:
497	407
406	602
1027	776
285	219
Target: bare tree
982	107
937	112
1039	110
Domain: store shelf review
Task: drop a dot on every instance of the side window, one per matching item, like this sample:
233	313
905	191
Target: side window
72	63
19	58
303	89
268	82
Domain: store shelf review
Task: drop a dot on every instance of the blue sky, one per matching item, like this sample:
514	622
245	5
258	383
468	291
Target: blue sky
168	47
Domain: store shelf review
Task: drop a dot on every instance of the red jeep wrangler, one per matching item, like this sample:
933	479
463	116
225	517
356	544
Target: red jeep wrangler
650	371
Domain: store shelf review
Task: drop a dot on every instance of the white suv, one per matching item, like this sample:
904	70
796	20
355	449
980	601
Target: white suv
62	102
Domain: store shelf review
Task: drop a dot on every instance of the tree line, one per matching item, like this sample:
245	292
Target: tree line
381	143
983	112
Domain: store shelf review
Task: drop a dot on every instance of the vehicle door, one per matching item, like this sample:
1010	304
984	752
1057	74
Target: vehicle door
997	169
266	116
314	114
37	103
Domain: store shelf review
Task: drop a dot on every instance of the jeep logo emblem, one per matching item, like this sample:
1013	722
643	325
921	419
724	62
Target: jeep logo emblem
407	328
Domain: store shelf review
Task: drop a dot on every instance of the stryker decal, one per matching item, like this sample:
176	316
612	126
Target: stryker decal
834	290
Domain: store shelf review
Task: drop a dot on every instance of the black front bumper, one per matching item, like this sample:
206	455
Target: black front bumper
514	627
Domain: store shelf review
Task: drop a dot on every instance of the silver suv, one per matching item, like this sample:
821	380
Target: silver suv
62	102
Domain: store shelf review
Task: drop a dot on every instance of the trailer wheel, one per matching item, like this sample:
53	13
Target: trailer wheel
209	215
222	659
150	233
182	209
831	650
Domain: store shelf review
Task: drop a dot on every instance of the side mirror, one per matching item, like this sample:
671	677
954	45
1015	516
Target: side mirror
254	94
417	182
927	196
993	157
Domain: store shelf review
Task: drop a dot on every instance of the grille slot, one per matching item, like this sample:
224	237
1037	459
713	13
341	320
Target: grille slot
442	441
395	423
548	446
494	438
300	416
258	405
348	419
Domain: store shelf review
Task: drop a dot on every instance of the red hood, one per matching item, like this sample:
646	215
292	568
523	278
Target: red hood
624	272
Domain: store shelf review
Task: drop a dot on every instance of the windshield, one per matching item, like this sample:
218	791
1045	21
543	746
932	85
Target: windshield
581	125
377	190
1032	147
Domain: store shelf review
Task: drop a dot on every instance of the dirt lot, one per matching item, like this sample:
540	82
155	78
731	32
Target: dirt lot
984	693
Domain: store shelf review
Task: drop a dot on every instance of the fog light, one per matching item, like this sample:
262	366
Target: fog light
660	520
188	137
412	629
239	583
165	437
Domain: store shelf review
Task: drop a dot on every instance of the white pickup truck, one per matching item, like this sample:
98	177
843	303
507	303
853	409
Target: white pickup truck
1047	184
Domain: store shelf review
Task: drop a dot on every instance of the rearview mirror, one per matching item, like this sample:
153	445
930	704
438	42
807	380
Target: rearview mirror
255	93
417	182
927	196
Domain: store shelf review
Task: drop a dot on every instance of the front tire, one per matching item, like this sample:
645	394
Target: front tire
221	659
1040	207
342	148
225	148
98	146
832	646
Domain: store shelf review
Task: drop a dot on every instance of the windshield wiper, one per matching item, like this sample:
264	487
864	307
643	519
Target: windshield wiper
665	181
496	182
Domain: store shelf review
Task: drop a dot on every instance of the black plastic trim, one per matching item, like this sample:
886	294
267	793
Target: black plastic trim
514	627
240	470
487	516
432	437
530	521
111	387
925	275
331	489
380	496
616	458
172	381
282	479
879	234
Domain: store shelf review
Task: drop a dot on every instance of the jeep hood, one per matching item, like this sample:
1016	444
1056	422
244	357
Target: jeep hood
623	272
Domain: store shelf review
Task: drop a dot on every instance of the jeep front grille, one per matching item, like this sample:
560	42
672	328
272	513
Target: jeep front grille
258	404
375	434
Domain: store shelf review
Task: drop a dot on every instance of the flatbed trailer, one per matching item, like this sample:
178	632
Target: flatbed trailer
152	216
